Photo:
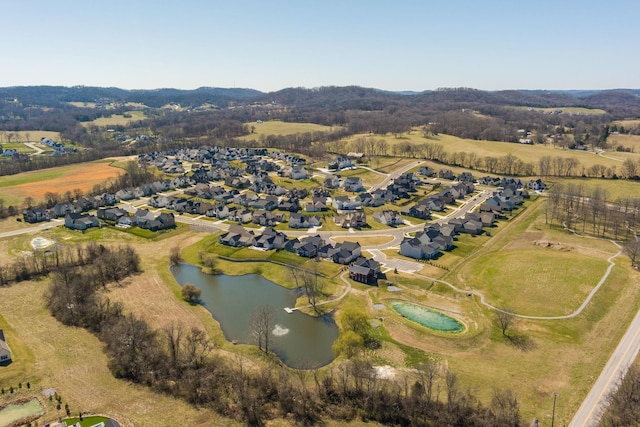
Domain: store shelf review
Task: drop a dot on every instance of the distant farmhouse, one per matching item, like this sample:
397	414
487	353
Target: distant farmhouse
5	353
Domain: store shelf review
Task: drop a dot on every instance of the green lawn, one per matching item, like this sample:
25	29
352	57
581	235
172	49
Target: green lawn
537	281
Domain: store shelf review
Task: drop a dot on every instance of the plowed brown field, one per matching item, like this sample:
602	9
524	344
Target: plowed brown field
57	180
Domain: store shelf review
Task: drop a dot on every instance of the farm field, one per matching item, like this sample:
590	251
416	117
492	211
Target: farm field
527	153
628	141
117	119
15	188
566	110
277	127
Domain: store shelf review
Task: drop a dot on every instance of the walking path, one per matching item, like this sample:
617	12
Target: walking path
338	298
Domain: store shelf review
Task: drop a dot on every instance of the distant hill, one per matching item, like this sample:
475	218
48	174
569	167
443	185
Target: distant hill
619	102
53	96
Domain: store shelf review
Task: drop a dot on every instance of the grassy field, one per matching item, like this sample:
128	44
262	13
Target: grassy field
534	280
614	188
368	178
628	141
527	153
117	119
15	188
567	110
29	135
277	127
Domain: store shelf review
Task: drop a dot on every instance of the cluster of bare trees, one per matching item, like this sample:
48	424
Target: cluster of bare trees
624	403
76	277
100	263
591	211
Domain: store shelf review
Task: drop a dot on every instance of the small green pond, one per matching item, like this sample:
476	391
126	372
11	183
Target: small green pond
15	412
426	317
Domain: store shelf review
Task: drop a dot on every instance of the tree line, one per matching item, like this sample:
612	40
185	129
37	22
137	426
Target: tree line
100	263
592	211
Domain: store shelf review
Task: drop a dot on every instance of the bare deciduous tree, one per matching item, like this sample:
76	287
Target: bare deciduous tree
260	326
505	319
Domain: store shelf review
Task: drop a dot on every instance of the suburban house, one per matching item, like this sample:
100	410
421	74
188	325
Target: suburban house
340	163
111	214
331	181
36	215
297	220
240	215
318	204
353	183
270	239
345	203
413	247
426	171
305	247
390	218
5	352
419	210
267	218
446	174
537	185
148	221
365	270
78	221
344	252
237	236
356	219
298	173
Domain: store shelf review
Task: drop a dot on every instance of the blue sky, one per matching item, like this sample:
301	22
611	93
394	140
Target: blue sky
270	45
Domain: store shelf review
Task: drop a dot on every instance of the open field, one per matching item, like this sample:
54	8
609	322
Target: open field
117	119
527	153
613	188
629	141
277	127
628	124
566	110
28	135
368	177
15	188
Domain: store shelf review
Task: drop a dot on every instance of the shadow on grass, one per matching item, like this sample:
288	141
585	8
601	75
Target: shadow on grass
521	342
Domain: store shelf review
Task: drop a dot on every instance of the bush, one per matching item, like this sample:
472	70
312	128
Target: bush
191	293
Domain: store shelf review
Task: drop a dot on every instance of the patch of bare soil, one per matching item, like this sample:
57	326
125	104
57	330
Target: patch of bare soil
524	240
553	245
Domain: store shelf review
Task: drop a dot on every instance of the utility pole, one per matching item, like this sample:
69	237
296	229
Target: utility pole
553	413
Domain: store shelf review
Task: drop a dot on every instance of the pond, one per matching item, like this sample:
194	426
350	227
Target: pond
426	317
17	411
300	341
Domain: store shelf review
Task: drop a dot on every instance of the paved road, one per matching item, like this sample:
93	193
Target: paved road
42	226
595	403
34	147
393	175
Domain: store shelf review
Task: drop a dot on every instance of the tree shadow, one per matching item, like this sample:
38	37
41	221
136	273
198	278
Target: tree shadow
522	342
